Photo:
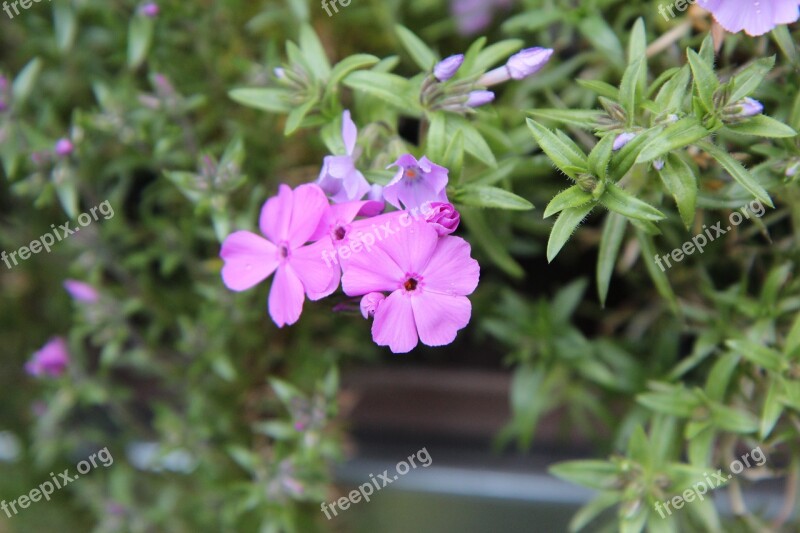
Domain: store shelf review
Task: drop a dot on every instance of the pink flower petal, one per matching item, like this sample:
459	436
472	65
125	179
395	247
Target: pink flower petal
308	205
286	297
349	132
249	259
276	215
451	270
318	278
371	270
394	324
438	317
409	247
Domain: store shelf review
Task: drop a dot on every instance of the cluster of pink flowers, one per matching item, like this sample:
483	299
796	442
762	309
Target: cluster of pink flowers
414	281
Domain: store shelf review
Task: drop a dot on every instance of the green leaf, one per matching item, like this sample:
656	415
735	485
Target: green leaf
591	510
564	153
140	34
25	81
772	408
65	24
580	118
454	155
638	42
618	200
350	64
631	88
603	38
746	81
601	88
677	135
658	276
268	99
610	242
600	156
285	391
314	53
758	354
762	126
737	172
531	20
296	116
671	96
786	43
494	197
389	88
680	181
572	197
494	54
733	420
474	143
601	475
705	81
675	402
422	55
436	138
483	235
567	222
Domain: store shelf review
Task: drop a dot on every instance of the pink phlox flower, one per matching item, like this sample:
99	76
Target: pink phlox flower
287	220
427	278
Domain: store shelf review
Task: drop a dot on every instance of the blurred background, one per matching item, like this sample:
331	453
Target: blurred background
219	421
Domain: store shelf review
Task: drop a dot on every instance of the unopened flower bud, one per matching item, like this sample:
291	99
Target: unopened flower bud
64	147
479	98
622	139
370	303
447	68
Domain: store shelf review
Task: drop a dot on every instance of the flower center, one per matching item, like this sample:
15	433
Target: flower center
410	284
339	233
412	173
283	251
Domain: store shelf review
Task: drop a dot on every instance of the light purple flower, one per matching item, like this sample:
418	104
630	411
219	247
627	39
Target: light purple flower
479	98
447	68
658	164
755	17
287	220
150	10
473	16
81	292
51	360
416	182
339	177
622	139
428	279
64	147
370	302
443	217
524	63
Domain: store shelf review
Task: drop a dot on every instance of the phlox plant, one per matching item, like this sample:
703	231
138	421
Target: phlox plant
491	183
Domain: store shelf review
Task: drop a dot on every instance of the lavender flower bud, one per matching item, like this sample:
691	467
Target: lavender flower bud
443	217
479	98
149	10
447	68
370	303
528	62
622	139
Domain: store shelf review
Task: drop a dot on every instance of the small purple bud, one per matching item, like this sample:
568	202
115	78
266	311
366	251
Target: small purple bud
370	303
81	292
479	98
749	107
447	68
51	360
622	139
528	62
658	164
279	72
791	170
149	10
64	147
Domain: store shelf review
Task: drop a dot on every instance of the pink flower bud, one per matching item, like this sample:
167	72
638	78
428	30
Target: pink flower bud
370	303
443	217
64	147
